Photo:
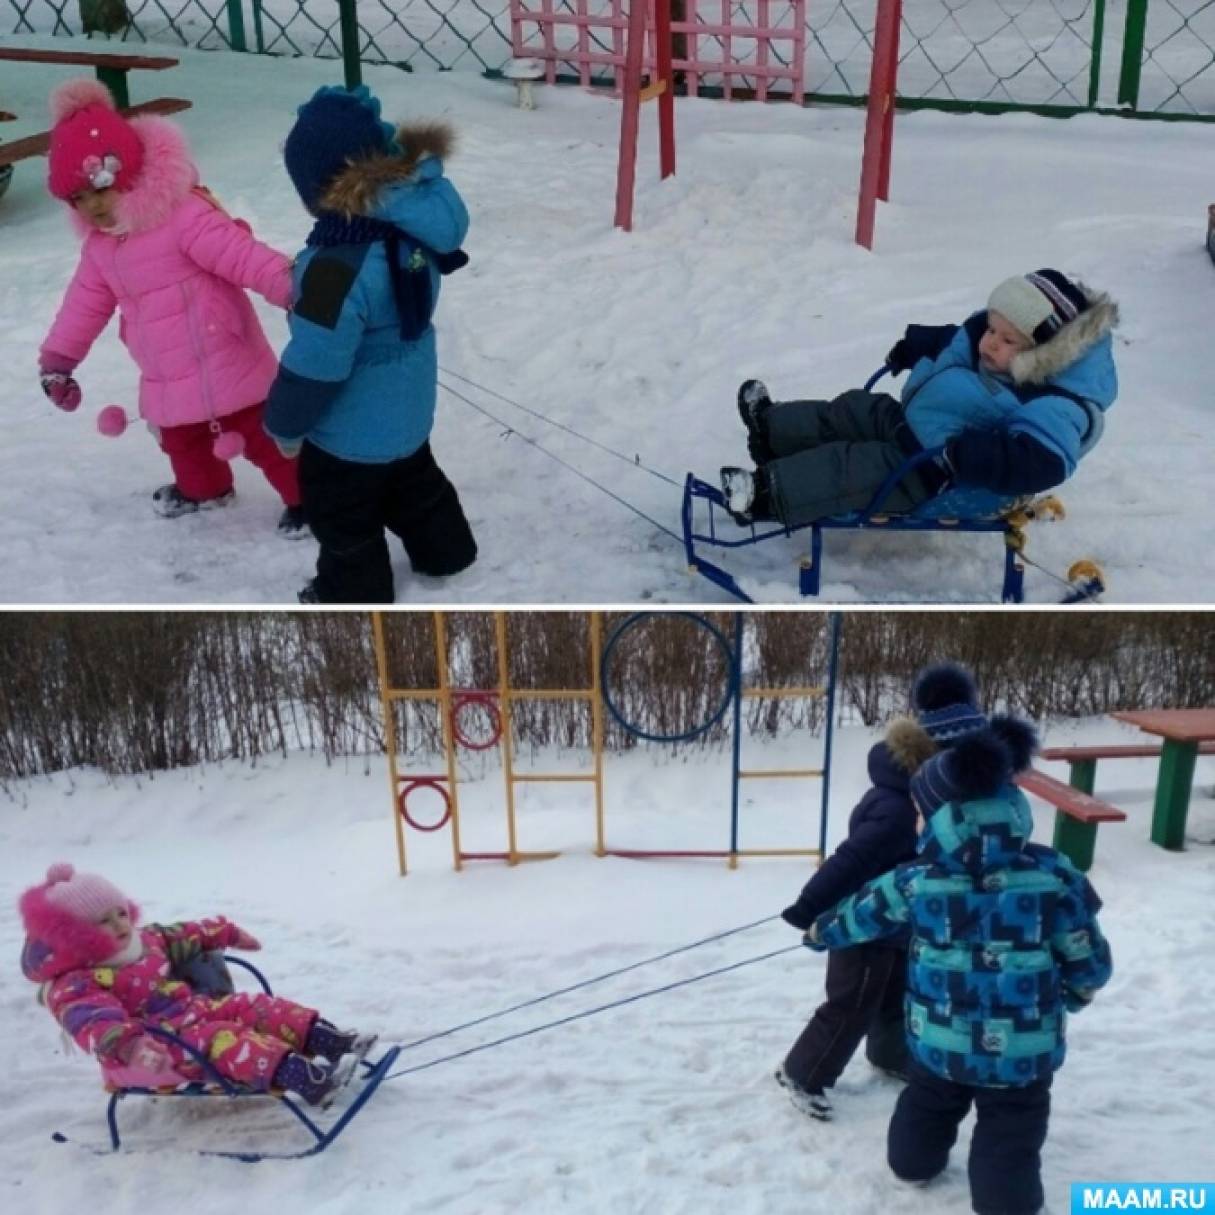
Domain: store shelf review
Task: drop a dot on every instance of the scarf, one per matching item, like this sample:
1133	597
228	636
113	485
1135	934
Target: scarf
408	263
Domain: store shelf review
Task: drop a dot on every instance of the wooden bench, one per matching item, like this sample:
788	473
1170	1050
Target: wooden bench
38	145
1077	815
1083	760
111	69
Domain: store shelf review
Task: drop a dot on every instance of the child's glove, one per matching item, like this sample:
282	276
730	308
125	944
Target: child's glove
900	358
811	939
62	390
150	1054
289	449
1075	1000
245	940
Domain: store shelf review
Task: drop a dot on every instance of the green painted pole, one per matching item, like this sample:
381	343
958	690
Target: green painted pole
1076	840
1132	52
115	79
236	25
1173	787
1094	74
1083	775
348	18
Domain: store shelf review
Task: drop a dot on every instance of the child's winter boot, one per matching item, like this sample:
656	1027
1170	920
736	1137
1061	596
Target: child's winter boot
753	403
746	494
317	1083
169	502
326	1040
291	523
812	1101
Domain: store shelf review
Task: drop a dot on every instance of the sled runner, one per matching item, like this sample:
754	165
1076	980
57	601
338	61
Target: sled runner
953	510
209	973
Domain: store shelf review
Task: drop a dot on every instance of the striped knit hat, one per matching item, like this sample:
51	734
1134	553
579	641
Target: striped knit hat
1038	304
946	702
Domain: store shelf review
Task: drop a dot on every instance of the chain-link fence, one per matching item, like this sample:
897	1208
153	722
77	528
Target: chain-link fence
1146	56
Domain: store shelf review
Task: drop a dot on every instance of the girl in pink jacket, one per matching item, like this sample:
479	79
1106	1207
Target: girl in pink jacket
159	250
106	980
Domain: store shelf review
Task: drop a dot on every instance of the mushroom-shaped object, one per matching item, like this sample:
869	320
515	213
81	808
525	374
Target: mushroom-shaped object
523	72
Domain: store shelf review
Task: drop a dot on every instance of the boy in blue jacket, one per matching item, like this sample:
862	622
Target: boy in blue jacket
1004	943
1015	395
355	393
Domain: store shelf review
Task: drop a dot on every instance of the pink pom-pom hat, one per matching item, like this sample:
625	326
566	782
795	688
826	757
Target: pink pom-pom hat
92	145
60	918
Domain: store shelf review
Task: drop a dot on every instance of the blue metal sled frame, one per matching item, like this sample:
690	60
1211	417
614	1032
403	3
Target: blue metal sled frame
218	1086
810	572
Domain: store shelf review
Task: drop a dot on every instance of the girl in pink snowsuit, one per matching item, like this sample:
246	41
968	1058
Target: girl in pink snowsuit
159	250
105	980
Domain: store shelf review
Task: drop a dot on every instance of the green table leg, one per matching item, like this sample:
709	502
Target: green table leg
1076	840
1173	793
115	79
1083	775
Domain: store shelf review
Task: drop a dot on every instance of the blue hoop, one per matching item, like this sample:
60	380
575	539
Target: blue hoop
731	681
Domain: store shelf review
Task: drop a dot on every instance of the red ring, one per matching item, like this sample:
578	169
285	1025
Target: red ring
409	784
489	701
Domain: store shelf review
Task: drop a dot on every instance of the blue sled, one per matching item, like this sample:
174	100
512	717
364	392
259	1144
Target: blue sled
926	519
212	967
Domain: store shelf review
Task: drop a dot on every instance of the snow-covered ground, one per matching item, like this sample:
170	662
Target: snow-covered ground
663	1105
743	264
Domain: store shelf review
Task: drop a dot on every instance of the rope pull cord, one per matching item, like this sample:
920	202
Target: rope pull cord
590	1012
610	974
509	430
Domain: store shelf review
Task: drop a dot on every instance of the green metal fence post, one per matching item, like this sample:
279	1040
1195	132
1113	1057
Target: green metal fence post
115	79
236	25
349	19
1094	75
1132	52
259	38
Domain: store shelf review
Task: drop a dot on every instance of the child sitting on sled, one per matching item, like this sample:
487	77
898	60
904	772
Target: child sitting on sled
1014	396
105	979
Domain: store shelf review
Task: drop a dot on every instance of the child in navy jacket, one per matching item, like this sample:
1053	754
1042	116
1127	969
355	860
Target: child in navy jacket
864	985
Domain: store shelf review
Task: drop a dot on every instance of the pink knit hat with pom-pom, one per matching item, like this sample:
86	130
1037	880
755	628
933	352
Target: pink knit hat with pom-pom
61	914
92	145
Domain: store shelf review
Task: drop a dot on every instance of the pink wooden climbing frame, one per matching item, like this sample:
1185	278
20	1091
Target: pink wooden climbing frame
718	44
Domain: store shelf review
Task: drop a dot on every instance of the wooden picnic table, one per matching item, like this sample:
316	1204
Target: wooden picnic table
1182	731
111	68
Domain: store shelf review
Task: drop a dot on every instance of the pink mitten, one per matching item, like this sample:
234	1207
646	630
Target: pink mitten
63	391
245	940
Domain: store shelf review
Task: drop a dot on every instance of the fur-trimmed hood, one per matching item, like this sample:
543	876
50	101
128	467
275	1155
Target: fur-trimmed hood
1073	340
908	745
358	189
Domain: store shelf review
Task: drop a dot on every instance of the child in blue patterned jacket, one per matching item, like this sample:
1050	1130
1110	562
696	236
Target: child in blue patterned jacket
355	392
1014	396
1004	943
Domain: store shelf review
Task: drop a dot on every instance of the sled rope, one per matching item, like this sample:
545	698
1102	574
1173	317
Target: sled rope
611	974
1077	590
510	430
631	461
590	1012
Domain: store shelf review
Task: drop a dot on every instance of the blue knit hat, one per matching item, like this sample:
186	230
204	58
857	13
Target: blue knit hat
334	127
976	766
945	700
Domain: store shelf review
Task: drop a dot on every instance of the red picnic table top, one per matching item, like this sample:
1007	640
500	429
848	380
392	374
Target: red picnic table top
1181	725
87	58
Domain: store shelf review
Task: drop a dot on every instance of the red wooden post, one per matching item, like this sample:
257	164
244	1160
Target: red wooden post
892	76
879	120
666	99
630	112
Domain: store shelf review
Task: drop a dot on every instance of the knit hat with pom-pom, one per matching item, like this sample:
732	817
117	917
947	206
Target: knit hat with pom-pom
946	702
92	146
976	766
61	919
